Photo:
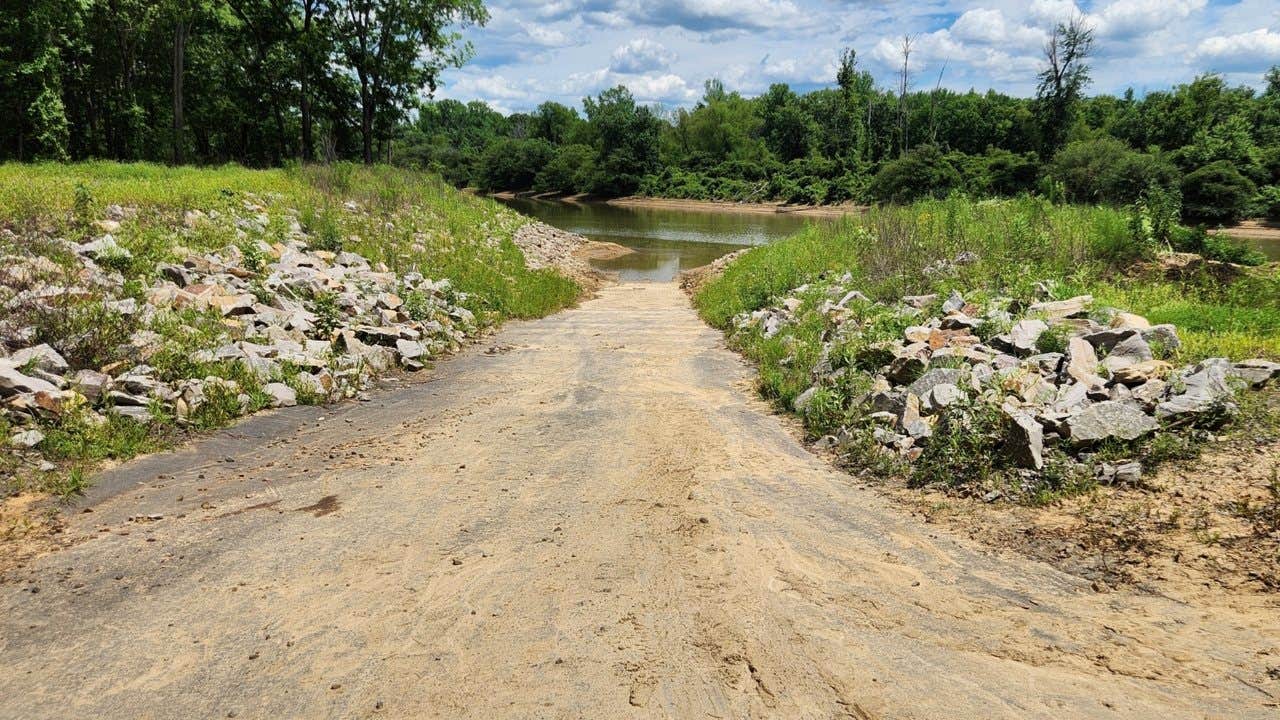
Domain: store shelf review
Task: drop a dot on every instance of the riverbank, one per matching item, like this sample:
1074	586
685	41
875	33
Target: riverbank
145	304
1031	323
710	206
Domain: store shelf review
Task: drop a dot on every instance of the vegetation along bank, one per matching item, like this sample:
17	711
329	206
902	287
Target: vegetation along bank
1023	350
142	302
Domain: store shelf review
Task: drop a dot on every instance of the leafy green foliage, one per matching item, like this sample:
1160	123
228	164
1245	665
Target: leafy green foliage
1217	194
512	164
1106	170
626	141
923	171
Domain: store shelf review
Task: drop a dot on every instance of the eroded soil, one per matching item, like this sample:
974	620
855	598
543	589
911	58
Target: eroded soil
594	518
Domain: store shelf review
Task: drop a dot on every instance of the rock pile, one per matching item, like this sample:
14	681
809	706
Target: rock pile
545	246
1062	373
300	321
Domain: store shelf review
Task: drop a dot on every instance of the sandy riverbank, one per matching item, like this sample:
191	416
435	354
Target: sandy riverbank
768	208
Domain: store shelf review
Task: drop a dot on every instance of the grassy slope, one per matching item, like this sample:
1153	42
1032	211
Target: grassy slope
433	228
1019	243
409	221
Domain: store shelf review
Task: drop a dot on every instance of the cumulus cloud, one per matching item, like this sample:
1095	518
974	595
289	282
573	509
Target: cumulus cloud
497	91
806	72
641	55
985	26
1244	51
656	87
1131	18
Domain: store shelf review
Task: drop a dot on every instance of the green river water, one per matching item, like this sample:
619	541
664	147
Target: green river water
665	241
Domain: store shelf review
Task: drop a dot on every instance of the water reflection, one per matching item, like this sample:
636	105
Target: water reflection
665	241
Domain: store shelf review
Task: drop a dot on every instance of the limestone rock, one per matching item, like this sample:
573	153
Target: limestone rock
13	382
281	395
1059	309
1025	440
1107	420
26	439
42	357
1130	351
1142	372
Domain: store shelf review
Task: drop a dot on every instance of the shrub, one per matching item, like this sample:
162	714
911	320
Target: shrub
922	172
1214	247
1216	194
1005	173
1268	203
1109	171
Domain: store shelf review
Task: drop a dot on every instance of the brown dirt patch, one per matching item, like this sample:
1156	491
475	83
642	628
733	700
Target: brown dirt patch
1211	524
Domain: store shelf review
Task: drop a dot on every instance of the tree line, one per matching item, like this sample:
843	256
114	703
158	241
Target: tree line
1213	146
253	81
262	82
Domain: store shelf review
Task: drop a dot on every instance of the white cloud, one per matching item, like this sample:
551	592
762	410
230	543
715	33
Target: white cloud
664	88
546	36
985	26
500	93
1249	50
1051	12
1130	18
641	55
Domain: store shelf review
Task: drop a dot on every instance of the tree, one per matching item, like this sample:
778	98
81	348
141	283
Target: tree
904	84
395	47
1063	79
33	38
787	130
555	123
626	138
313	47
571	170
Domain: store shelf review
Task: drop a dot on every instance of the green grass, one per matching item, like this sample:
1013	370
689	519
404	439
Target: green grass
411	222
1018	243
1014	245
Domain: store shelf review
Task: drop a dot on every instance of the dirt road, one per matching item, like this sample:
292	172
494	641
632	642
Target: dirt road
593	519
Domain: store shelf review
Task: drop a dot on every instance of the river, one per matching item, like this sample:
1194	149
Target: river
665	240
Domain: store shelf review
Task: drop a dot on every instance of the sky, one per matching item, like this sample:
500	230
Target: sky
664	50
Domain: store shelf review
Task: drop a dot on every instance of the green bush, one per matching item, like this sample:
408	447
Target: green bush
1216	194
1004	173
570	171
1268	202
923	172
1214	247
1109	171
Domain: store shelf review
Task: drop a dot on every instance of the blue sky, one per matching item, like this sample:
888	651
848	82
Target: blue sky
664	49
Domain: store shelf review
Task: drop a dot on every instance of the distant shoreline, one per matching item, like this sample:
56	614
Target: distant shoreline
714	206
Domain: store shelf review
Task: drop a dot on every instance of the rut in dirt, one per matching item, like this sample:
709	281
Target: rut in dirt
595	518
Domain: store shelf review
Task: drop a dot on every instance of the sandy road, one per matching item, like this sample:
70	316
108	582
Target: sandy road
593	520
